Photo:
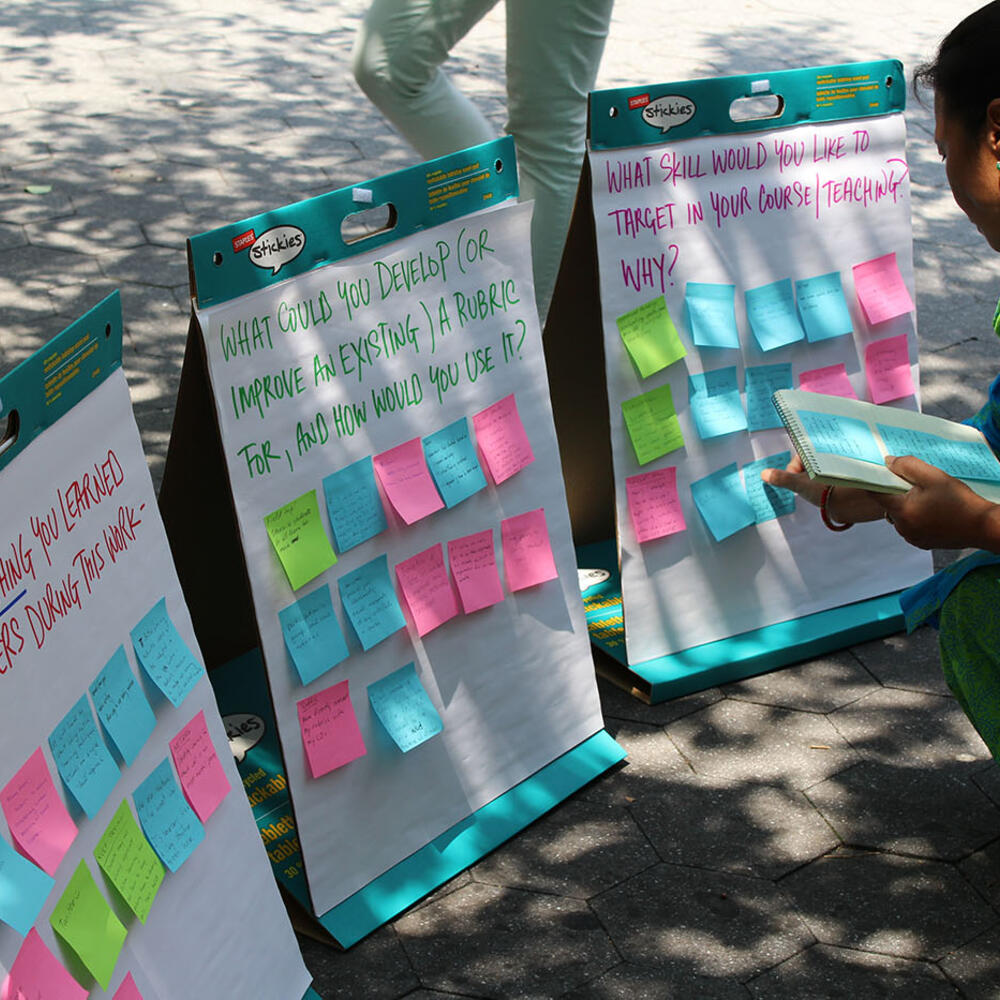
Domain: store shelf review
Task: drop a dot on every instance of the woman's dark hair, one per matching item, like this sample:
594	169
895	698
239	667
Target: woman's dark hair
966	72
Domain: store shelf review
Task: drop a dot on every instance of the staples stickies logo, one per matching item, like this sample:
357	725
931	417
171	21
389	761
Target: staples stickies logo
244	240
639	101
277	247
666	112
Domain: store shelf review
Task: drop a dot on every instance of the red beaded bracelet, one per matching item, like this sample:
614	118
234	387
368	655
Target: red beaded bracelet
825	513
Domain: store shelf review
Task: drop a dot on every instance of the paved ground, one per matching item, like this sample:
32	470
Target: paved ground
829	830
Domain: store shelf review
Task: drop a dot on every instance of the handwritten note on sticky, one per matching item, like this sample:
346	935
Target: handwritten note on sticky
831	380
653	504
127	990
129	862
370	602
331	736
822	307
714	398
652	424
404	708
427	589
24	887
170	825
203	779
838	435
82	758
527	552
353	504
650	337
762	381
711	314
38	820
299	540
887	365
122	706
37	973
312	634
881	290
474	569
451	457
964	459
772	315
407	481
767	501
502	439
85	921
164	655
722	502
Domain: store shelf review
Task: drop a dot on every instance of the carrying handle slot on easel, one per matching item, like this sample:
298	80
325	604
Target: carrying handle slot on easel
374	220
758	106
11	431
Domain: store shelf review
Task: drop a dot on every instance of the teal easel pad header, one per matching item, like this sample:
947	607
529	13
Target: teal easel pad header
44	387
265	249
657	113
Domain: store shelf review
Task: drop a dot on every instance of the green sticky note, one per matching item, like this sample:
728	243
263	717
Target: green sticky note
129	862
652	424
299	539
85	921
650	337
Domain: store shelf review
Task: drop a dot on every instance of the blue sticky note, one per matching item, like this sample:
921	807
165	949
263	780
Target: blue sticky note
24	887
772	315
714	398
370	602
822	307
762	380
163	654
711	314
404	708
122	706
170	824
312	634
352	501
722	502
451	457
767	501
84	761
837	435
964	459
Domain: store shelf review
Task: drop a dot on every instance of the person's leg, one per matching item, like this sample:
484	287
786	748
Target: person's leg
397	57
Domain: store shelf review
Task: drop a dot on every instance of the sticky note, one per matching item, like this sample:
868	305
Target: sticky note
527	552
502	439
202	777
822	307
82	758
964	459
714	398
407	481
353	504
331	736
85	921
887	365
761	382
404	708
127	990
767	501
312	634
170	825
772	315
711	314
652	424
650	336
299	540
427	589
37	973
38	820
831	381
129	862
473	565
881	290
370	602
164	655
653	504
722	502
122	706
837	435
451	457
24	887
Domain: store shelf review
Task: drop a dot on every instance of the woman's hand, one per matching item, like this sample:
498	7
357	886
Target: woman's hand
845	504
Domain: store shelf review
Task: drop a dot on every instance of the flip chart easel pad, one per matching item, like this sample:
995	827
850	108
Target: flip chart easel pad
187	945
532	662
739	216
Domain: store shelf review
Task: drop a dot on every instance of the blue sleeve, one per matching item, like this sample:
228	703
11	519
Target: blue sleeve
987	419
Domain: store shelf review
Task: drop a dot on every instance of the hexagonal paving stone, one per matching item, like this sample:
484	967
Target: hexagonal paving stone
976	967
376	968
636	982
616	703
982	869
905	661
146	265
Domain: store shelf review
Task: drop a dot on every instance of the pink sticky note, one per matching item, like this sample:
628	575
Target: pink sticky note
474	569
198	766
330	732
830	381
407	481
527	554
38	820
881	290
427	589
36	972
128	990
887	365
502	439
653	504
